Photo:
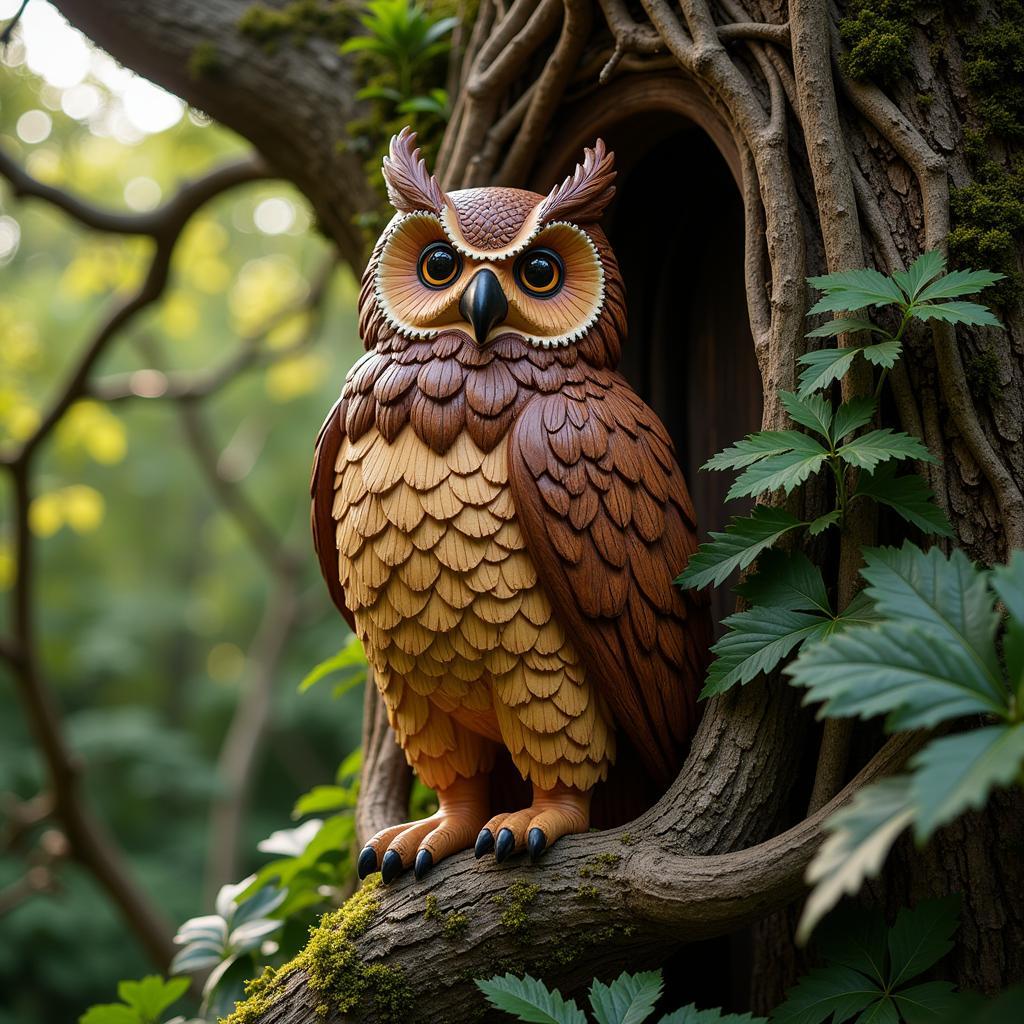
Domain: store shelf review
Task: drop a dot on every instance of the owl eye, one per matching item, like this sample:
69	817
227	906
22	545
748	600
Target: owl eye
439	265
540	272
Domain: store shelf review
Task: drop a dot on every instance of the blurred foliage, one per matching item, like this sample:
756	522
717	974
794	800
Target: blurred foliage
149	596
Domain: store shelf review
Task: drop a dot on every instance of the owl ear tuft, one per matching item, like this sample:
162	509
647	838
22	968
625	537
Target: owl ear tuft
583	196
410	185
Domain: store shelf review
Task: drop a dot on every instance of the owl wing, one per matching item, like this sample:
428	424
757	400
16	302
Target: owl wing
321	490
609	524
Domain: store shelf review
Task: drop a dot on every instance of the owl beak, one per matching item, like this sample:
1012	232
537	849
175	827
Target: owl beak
483	304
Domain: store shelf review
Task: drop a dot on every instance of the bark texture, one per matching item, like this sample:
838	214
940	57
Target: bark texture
833	173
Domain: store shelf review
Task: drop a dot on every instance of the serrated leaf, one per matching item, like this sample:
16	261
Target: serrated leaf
787	581
883	445
958	313
885	353
957	773
946	597
920	937
853	415
865	280
824	992
848	301
843	325
824	366
786	471
529	1000
892	669
930	1003
822	523
959	282
860	837
757	640
909	496
855	936
813	411
860	611
150	996
629	999
754	447
691	1015
743	540
921	271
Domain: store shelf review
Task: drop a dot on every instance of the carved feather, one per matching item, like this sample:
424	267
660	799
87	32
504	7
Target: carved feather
410	185
583	196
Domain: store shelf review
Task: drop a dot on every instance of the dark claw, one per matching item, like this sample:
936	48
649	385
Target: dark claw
424	862
367	862
536	842
484	843
390	866
505	845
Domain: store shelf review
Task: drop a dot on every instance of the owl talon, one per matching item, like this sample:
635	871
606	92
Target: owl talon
484	843
390	866
424	862
504	845
536	843
367	862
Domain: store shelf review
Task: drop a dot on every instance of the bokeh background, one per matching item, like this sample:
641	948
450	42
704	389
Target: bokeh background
155	603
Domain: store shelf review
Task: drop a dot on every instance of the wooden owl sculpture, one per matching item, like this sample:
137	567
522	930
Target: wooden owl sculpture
499	517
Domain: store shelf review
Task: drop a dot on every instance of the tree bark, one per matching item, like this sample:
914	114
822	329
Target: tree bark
832	172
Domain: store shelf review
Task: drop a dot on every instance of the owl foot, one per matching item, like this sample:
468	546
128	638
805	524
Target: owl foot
462	807
556	812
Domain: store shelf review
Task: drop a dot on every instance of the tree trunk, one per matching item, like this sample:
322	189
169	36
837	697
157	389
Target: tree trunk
826	172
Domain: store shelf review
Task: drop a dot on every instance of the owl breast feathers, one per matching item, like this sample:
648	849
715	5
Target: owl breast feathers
497	514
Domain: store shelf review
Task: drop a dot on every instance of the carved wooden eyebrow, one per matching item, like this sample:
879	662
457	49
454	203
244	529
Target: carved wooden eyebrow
410	185
585	194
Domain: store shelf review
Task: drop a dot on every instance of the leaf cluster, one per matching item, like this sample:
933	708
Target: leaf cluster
142	1002
938	649
870	972
629	999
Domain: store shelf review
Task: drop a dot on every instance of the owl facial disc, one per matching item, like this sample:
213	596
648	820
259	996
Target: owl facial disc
491	261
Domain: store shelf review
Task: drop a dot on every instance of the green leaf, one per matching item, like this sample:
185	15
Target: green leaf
822	523
885	353
891	669
110	1013
787	581
854	936
755	447
757	640
860	611
959	282
864	281
529	1000
350	656
860	837
956	773
883	445
629	999
921	271
853	415
743	540
843	325
787	471
324	798
152	995
824	366
1008	583
691	1015
958	313
882	1012
824	992
813	411
930	1003
921	937
948	598
909	496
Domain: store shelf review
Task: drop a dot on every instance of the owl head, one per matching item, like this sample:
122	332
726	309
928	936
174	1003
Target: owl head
494	262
